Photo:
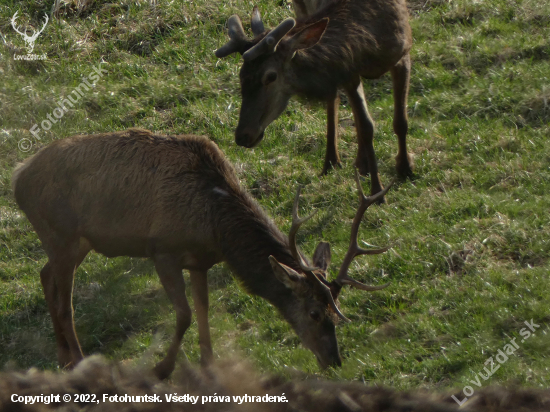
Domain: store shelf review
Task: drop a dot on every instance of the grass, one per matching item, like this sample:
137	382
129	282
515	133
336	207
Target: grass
470	232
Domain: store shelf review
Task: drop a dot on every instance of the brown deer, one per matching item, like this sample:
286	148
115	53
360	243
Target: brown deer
178	201
330	49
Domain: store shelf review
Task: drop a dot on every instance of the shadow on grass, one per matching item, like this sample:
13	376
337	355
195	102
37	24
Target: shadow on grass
115	301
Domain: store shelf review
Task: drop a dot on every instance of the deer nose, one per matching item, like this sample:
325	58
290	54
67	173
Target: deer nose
329	355
248	137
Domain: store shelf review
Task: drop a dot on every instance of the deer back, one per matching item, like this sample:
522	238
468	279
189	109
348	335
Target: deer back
128	193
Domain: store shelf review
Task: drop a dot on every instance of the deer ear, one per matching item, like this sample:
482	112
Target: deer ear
287	276
309	36
321	256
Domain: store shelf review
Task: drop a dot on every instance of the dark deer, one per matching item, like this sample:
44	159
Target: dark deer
314	57
178	201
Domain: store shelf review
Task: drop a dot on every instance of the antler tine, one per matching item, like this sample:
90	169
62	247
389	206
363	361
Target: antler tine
354	250
370	199
308	271
296	223
269	43
237	38
331	302
296	220
256	23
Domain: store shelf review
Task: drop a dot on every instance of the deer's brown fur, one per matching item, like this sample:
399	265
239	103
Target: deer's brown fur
176	200
340	43
304	8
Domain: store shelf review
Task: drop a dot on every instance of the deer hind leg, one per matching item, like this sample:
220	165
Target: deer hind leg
199	287
401	74
366	158
57	278
171	277
332	159
50	293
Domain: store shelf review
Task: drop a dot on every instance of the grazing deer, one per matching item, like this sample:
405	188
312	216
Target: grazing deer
330	49
178	201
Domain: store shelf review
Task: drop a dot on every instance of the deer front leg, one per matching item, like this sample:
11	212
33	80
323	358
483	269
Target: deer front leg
401	74
366	159
332	159
199	287
171	277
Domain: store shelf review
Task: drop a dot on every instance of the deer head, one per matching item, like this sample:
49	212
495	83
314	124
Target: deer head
29	39
321	322
266	75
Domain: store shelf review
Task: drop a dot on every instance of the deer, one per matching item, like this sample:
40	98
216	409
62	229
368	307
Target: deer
178	201
304	8
29	39
324	50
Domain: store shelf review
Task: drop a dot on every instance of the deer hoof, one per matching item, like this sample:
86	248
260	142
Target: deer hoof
404	165
363	169
163	370
328	166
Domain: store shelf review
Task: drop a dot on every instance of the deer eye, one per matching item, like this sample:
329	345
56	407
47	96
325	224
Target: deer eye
315	315
269	77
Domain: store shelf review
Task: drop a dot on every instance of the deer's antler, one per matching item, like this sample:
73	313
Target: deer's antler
332	289
296	223
270	42
354	249
308	271
256	23
240	43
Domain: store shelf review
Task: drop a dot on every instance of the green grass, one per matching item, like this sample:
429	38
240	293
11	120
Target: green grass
470	232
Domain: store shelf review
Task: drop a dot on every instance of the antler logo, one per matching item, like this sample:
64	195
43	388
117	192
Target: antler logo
29	39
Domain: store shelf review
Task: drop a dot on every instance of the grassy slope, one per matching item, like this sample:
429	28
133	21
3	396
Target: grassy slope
471	255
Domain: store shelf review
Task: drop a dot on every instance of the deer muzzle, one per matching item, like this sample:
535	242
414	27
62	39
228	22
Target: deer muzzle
248	137
333	360
327	353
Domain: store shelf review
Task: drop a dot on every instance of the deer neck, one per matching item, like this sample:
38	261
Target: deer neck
305	77
247	239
